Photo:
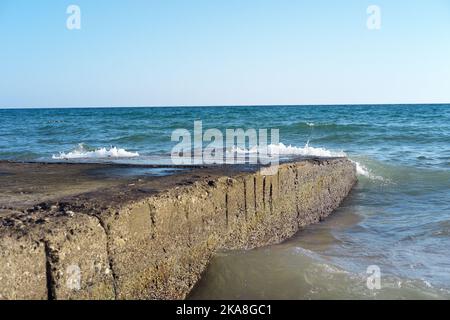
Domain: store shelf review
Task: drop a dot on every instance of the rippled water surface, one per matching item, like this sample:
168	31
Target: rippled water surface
398	216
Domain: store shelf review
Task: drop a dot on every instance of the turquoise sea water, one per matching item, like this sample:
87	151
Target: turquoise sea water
397	217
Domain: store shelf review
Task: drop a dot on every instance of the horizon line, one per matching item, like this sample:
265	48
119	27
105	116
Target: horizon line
224	106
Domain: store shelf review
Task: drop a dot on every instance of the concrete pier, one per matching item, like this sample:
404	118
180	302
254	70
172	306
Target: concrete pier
74	231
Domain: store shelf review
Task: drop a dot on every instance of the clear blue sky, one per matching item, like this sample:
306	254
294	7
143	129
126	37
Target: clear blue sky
223	52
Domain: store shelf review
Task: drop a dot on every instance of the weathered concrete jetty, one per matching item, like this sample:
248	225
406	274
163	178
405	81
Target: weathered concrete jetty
103	231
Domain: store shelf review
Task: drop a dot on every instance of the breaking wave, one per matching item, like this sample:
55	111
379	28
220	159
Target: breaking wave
362	170
286	150
282	149
82	152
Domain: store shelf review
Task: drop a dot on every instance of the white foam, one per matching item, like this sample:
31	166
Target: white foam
307	150
282	149
101	153
361	169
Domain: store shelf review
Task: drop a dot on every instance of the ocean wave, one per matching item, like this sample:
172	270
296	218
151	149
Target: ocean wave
362	170
82	152
323	127
282	149
307	150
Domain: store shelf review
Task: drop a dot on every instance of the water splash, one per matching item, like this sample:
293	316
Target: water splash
283	149
82	152
307	150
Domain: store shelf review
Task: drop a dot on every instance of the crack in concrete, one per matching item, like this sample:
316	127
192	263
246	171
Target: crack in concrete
254	193
245	199
108	255
48	272
226	208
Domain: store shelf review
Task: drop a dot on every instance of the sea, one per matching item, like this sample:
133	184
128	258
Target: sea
390	239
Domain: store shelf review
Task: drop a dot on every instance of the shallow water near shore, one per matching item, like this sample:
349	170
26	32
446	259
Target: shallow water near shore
397	217
329	260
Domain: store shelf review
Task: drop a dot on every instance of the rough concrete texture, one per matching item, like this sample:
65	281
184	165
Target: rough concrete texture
22	268
156	246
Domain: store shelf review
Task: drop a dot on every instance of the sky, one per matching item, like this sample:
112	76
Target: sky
223	52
